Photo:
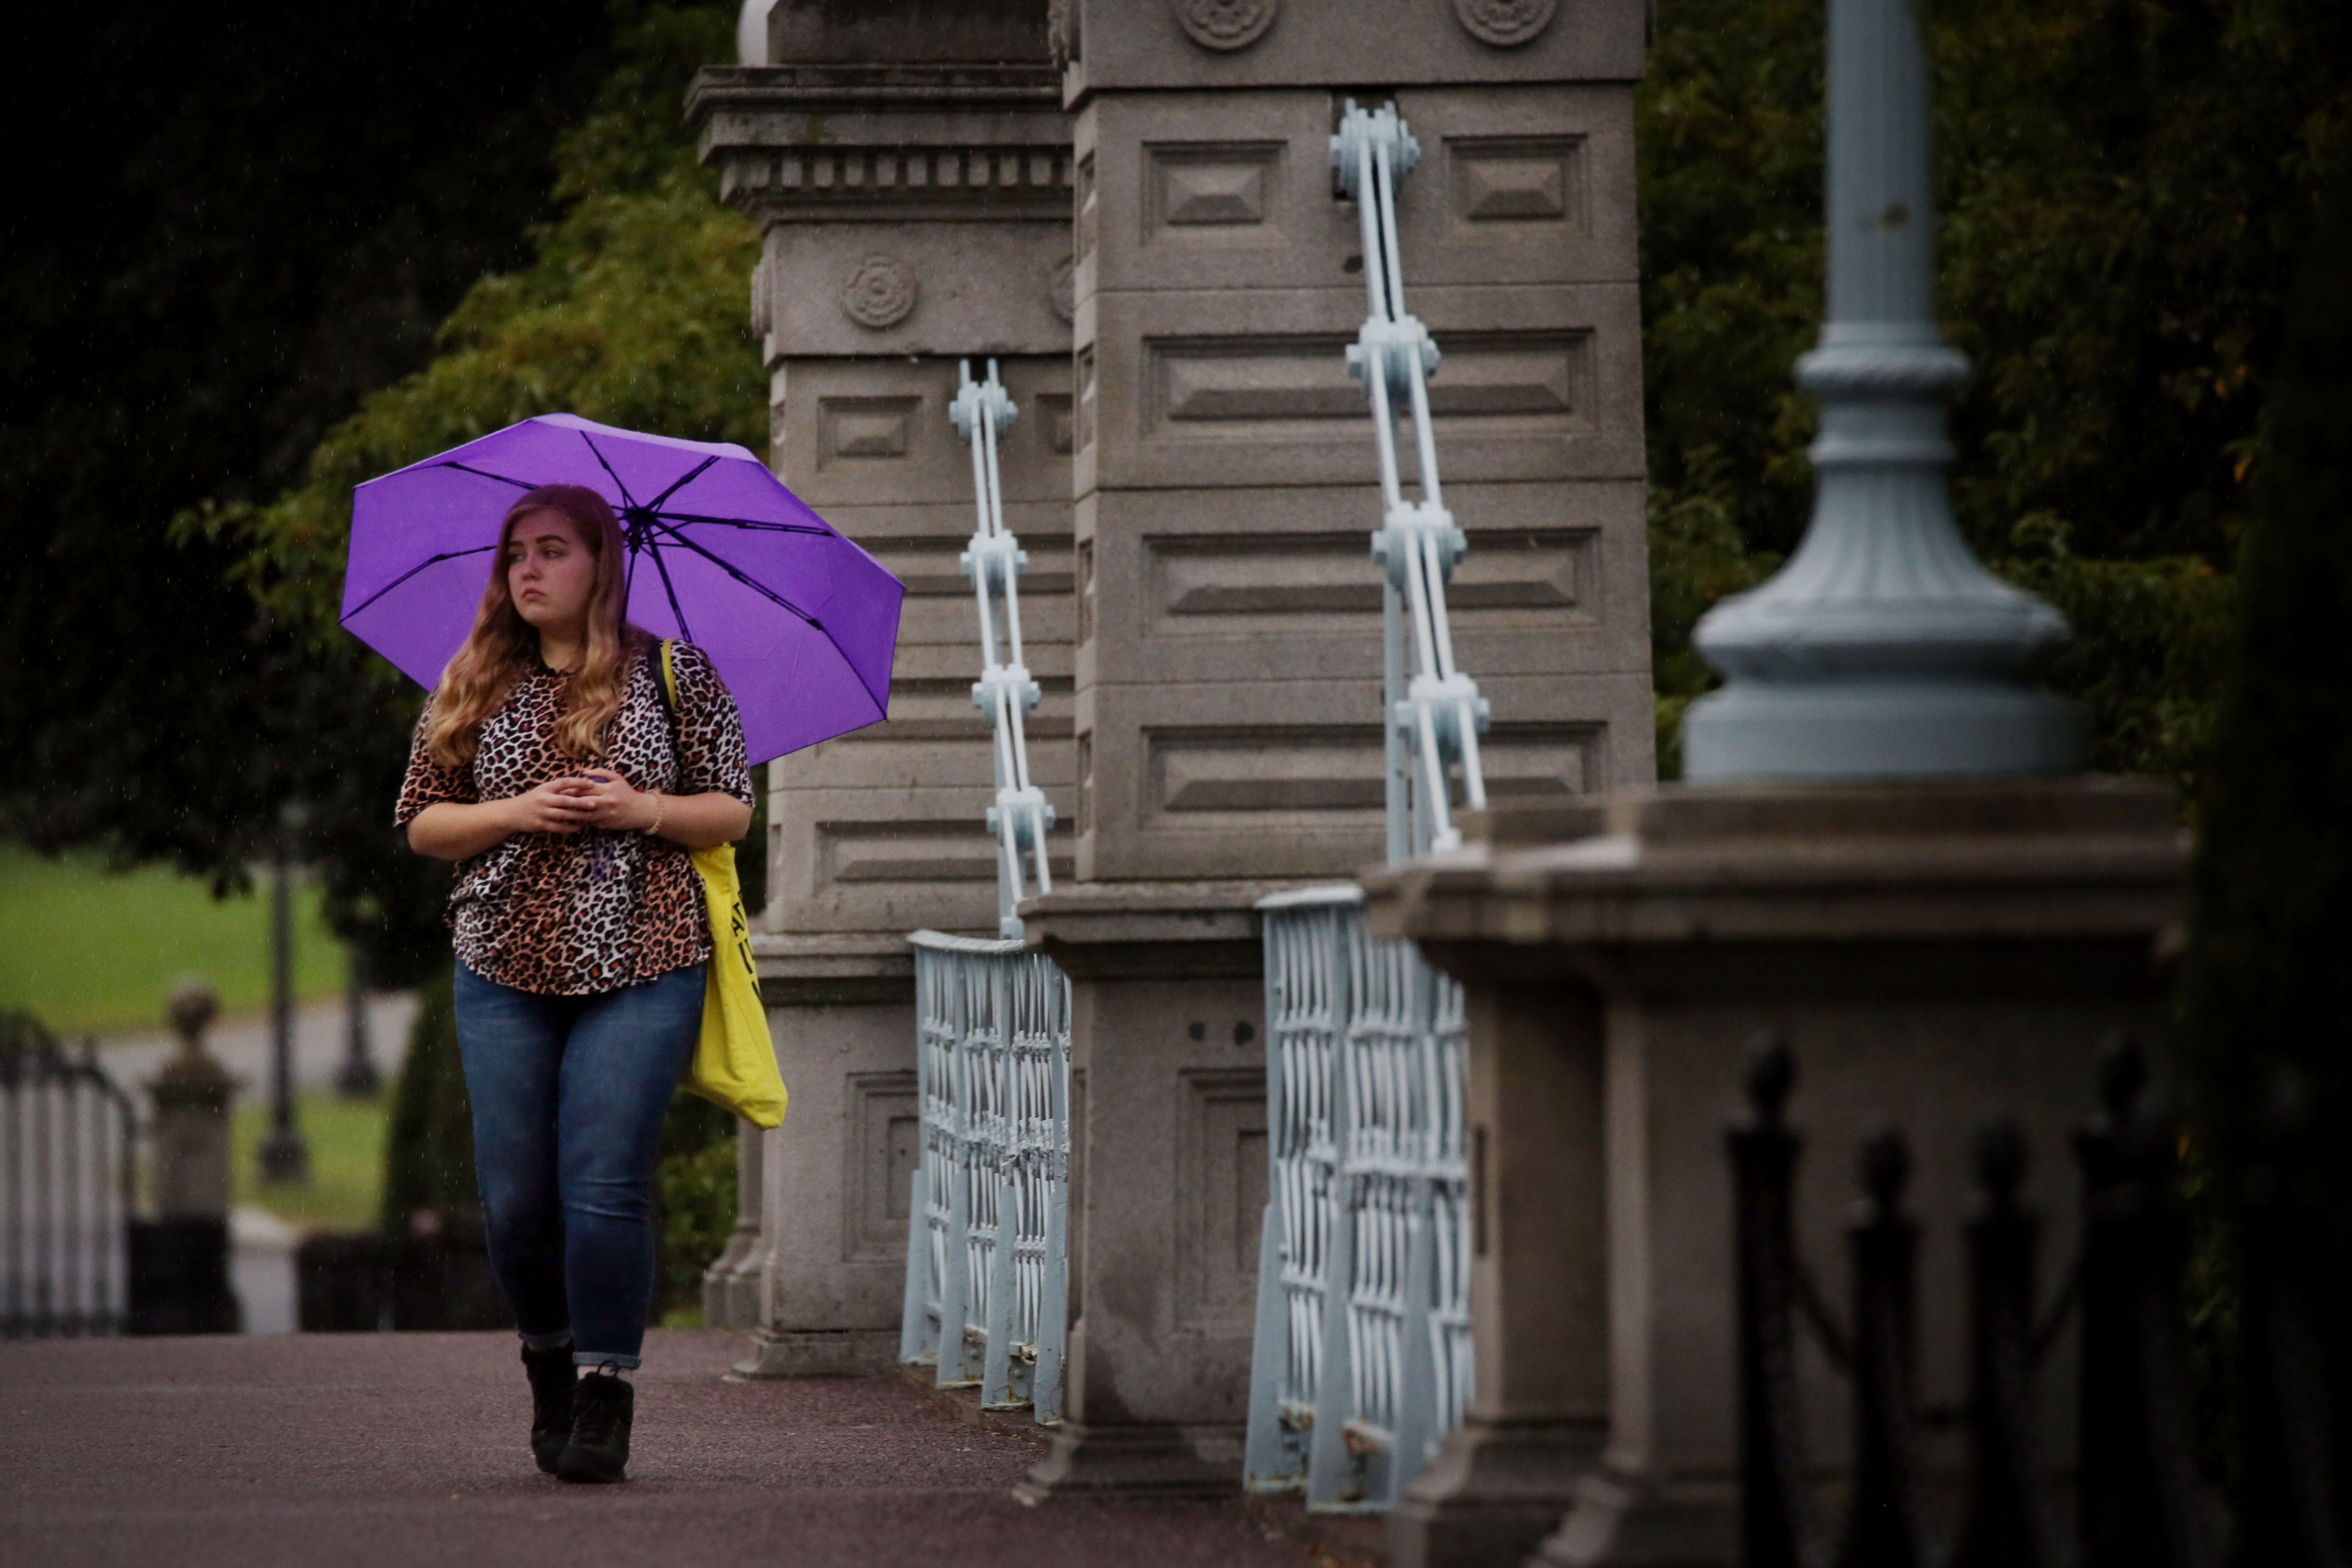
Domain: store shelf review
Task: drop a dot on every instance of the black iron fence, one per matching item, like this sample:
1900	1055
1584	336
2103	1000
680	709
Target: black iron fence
2137	1495
66	1154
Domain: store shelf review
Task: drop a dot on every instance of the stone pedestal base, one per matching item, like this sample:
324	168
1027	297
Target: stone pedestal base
1168	1184
1934	955
1137	1464
1636	1523
1494	1491
819	1352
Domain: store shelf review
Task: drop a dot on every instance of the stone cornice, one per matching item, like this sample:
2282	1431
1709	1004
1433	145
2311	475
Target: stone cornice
2071	859
892	143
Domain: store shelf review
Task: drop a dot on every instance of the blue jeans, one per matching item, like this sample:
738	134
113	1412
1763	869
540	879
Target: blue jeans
568	1095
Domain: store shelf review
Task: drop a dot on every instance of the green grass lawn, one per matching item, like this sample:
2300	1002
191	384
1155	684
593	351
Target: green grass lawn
90	950
346	1137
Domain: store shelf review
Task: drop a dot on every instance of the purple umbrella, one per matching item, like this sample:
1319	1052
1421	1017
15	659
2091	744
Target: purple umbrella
800	623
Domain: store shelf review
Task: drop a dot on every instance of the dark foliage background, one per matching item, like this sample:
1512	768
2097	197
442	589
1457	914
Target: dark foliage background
2268	1003
225	262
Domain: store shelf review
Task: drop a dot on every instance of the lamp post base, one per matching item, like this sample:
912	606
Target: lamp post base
1757	731
285	1158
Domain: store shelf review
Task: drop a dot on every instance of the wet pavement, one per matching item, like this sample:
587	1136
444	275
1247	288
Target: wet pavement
386	1450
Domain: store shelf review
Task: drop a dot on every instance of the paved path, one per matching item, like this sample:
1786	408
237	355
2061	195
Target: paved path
389	1450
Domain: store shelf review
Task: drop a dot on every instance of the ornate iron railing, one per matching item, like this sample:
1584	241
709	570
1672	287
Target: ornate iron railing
2140	1498
987	1237
988	1232
66	1154
1362	1358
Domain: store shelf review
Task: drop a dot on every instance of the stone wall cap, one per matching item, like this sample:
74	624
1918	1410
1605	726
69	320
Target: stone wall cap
1342	893
791	946
1125	914
1682	814
2076	856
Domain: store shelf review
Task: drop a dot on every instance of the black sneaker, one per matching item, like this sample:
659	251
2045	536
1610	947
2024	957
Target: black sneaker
603	1405
552	1377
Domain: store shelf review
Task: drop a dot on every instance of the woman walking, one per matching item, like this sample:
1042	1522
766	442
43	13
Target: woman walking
550	764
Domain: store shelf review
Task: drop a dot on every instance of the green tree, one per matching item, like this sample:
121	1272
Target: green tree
222	236
630	311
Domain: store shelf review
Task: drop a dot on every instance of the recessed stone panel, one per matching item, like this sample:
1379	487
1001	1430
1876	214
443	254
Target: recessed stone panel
1540	380
1517	179
1221	1190
1252	387
1055	420
1251	769
856	429
1195	186
904	851
1206	586
1325	768
886	1147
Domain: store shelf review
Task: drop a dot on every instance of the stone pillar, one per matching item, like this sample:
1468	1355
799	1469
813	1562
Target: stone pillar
1228	664
1933	953
910	171
179	1263
1168	1184
191	1095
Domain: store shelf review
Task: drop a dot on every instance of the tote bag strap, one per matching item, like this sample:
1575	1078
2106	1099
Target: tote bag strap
669	702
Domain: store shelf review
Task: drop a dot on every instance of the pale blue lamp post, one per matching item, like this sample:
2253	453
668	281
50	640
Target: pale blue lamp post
1882	650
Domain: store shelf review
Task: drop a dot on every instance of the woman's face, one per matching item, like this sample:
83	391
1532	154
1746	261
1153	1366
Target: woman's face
549	572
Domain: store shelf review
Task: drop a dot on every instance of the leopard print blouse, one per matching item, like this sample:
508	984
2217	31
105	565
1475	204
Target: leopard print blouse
575	913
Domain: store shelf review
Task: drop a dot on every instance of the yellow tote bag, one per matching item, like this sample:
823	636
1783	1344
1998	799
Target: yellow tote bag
735	1061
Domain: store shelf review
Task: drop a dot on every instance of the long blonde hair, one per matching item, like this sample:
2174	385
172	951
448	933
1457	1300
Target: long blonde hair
503	646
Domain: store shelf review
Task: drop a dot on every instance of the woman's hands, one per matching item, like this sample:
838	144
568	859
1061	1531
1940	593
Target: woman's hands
557	806
595	798
606	800
697	821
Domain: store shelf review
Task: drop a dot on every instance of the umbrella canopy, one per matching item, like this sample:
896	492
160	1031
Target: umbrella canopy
800	623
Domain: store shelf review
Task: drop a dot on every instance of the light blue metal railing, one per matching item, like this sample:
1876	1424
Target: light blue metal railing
1362	1360
987	1233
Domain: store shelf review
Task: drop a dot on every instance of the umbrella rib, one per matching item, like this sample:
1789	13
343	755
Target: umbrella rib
412	572
486	473
626	499
746	523
731	569
688	479
684	631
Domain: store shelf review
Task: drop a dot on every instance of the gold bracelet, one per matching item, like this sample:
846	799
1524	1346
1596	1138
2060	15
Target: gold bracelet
661	805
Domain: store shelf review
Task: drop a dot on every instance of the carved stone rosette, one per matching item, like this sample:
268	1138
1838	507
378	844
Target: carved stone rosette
1226	24
879	294
1505	24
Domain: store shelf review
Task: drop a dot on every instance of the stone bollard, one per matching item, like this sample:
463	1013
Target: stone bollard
192	1098
179	1259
